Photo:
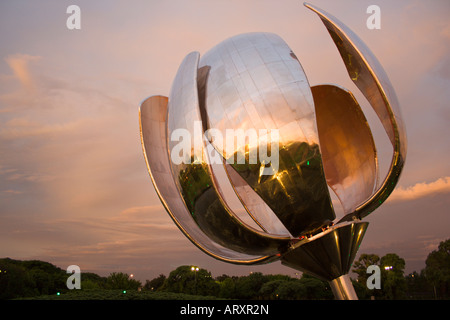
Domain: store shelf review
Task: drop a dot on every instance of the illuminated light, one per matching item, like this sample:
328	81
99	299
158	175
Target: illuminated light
124	291
58	293
307	163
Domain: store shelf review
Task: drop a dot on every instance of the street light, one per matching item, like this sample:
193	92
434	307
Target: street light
388	268
195	270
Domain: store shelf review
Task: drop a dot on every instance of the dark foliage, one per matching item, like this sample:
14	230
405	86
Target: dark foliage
42	280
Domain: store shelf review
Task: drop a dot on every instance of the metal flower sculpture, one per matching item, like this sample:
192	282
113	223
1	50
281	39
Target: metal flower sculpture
252	212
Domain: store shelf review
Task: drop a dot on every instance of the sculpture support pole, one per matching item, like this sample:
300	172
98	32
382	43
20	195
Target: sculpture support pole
342	288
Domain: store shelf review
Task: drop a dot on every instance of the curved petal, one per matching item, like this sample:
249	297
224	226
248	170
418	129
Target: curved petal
256	207
192	172
348	150
256	84
152	121
369	76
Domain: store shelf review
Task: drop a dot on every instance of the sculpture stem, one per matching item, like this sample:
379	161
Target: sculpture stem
342	288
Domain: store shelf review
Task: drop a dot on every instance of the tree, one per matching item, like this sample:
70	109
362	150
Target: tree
227	287
223	277
360	266
291	290
315	288
363	292
418	287
268	289
156	283
29	278
185	280
120	280
42	280
437	270
393	281
91	280
15	282
247	287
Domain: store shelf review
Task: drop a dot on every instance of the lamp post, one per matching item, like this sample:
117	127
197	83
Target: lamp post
195	270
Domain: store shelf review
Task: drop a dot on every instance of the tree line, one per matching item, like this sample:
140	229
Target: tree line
21	279
433	282
253	286
33	278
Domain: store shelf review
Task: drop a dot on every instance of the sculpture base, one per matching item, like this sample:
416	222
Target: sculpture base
329	256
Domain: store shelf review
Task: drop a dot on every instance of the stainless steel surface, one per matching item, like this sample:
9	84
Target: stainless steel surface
255	81
342	288
152	120
194	178
328	254
347	146
260	210
370	77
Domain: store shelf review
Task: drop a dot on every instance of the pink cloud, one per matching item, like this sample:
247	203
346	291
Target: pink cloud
19	65
420	190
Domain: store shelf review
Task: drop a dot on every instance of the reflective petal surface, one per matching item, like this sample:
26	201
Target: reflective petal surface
152	119
193	176
347	146
258	209
370	77
255	82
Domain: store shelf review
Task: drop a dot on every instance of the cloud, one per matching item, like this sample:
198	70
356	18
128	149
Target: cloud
430	242
20	128
12	192
420	190
139	211
19	65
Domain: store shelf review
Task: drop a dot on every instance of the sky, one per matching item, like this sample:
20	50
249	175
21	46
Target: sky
74	187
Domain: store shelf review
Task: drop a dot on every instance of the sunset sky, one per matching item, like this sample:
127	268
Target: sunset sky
74	187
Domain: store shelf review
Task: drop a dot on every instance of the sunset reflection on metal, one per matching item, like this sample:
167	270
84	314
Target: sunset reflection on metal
230	209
